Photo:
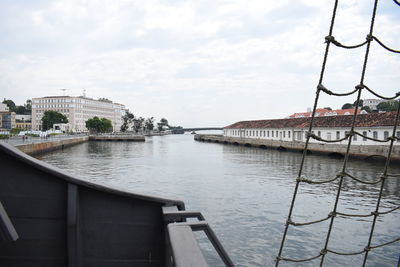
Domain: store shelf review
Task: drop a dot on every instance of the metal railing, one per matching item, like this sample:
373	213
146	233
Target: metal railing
183	249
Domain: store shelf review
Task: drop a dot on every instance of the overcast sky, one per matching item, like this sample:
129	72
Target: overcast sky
197	63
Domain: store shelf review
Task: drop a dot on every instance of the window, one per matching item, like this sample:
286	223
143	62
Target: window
365	135
272	133
264	133
284	134
256	133
355	137
267	133
288	134
398	136
319	133
328	136
375	134
300	136
386	134
337	135
276	133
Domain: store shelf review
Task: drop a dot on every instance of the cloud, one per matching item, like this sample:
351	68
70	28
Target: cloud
197	63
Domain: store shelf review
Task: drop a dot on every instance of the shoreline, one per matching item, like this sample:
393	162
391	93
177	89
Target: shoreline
366	152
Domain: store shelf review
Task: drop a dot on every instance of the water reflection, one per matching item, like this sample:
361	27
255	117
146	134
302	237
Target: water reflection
245	194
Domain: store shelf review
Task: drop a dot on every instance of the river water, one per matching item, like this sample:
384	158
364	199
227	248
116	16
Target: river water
245	194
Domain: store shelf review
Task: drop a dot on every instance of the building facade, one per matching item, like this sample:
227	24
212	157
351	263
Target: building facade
4	107
373	125
23	122
7	120
372	103
78	110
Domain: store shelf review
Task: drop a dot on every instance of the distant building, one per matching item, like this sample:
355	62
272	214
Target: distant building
63	127
78	110
323	112
373	125
23	122
4	107
7	120
372	103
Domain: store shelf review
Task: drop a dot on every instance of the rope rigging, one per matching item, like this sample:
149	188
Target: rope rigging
350	135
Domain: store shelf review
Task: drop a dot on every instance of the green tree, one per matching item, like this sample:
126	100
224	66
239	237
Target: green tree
98	125
10	104
128	120
138	124
20	110
347	106
28	106
106	125
149	124
360	104
163	122
51	117
388	105
367	109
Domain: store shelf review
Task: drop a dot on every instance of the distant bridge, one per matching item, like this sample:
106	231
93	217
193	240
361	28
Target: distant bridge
182	130
201	129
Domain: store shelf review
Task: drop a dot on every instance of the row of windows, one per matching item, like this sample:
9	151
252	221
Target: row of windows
53	106
261	133
282	134
78	100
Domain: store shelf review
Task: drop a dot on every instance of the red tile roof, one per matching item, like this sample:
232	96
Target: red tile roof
325	112
363	120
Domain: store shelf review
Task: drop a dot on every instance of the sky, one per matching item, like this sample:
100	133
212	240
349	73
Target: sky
198	63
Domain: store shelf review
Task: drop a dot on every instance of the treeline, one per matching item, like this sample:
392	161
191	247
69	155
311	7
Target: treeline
25	109
386	106
140	124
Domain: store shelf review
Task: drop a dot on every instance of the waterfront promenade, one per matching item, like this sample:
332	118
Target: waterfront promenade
19	140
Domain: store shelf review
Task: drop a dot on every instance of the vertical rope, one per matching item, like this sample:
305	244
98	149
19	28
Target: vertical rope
360	87
385	172
308	137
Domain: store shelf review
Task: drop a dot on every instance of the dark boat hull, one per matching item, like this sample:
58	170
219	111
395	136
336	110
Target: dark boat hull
64	221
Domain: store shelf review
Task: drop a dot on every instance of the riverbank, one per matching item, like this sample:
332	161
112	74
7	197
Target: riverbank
357	151
46	146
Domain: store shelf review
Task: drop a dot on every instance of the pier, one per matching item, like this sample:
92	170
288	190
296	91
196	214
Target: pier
42	146
337	150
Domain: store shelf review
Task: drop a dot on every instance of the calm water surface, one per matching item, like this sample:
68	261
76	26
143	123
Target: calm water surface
245	193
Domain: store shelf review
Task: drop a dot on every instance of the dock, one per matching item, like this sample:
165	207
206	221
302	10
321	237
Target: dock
375	152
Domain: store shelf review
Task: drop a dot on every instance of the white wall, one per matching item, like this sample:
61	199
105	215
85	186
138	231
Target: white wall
290	134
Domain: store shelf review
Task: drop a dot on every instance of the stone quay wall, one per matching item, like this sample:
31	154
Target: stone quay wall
376	152
37	148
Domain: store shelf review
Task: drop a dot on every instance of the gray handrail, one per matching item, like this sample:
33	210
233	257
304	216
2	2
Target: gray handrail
7	230
177	220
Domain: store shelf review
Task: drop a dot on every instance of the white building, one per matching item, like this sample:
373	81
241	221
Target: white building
373	125
4	107
78	110
372	103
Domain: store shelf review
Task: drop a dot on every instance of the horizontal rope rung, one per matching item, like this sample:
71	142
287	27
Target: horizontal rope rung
384	46
383	97
329	92
308	223
338	44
